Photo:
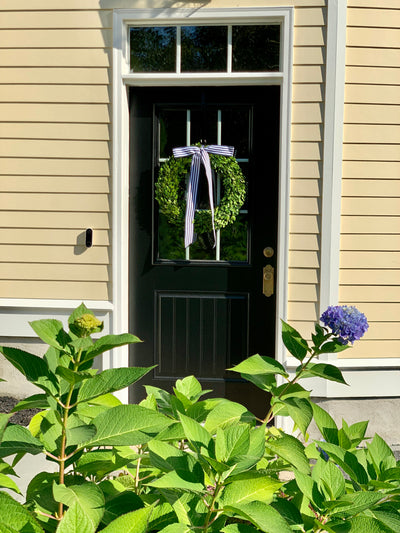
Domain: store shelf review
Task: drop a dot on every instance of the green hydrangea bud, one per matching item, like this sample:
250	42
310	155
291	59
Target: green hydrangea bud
88	324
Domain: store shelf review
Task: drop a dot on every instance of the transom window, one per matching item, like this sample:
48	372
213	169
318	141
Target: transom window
225	49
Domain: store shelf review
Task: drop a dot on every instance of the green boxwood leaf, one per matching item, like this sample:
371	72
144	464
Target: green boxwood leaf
294	342
110	381
14	516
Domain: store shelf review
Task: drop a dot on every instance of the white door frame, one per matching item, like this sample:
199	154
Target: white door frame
123	79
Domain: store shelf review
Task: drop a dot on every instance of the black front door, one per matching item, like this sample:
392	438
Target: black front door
203	310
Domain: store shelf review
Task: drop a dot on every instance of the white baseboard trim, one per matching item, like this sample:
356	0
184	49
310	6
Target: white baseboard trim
15	314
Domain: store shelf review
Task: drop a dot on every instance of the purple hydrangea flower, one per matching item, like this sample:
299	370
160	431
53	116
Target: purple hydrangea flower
345	321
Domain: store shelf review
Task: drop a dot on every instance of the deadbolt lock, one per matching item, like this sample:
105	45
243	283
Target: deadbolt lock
268	280
268	251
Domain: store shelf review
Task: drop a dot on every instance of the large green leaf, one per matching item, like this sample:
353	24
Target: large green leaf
227	413
294	342
178	481
195	432
51	432
309	488
361	524
13	515
51	332
389	519
291	450
325	371
176	528
88	497
7	483
325	424
128	425
190	388
332	480
98	463
120	504
4	418
355	503
17	439
108	342
232	442
255	452
381	455
239	528
300	411
263	516
133	522
110	381
37	401
75	521
250	487
260	365
346	460
34	368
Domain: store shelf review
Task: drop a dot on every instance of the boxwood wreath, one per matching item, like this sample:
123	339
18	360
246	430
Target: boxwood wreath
170	191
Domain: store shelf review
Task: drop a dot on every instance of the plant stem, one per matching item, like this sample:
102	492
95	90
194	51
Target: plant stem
63	458
303	366
211	509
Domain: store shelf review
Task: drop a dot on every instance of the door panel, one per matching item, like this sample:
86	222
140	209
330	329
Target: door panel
202	312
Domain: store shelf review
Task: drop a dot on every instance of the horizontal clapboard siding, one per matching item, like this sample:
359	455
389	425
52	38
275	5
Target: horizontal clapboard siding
370	241
306	165
55	96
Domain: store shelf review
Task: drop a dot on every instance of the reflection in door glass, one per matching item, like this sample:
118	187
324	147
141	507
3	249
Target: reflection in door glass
172	130
236	129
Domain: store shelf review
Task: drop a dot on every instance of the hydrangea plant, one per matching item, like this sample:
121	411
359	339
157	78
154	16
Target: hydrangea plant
182	463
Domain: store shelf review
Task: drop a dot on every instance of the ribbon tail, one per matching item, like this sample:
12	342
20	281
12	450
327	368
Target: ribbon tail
192	199
207	166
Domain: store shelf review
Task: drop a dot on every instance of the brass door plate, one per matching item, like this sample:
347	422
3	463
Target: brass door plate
268	280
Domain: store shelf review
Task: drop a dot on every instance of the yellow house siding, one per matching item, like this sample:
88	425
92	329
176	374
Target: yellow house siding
306	165
55	96
370	241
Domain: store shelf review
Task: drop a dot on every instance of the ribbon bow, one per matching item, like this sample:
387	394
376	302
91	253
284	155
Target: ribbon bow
200	155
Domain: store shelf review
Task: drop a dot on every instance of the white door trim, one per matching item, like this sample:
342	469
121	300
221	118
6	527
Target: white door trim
122	79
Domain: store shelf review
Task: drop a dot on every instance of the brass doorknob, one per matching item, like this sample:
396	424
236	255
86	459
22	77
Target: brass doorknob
268	251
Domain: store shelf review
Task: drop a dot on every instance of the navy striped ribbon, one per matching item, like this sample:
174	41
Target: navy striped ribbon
200	155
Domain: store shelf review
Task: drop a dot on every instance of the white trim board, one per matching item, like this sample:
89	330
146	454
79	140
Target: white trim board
15	315
122	78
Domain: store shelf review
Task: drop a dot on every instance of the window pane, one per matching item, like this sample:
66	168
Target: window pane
153	49
255	48
172	130
234	240
170	240
236	129
204	49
